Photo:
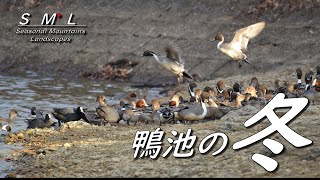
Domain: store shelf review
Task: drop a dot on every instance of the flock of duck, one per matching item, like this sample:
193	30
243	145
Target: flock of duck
204	104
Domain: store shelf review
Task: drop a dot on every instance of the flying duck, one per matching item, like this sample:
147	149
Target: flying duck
172	62
237	48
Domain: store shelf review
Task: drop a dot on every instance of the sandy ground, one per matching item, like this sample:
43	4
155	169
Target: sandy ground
79	149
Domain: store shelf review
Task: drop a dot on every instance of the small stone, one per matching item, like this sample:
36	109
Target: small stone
20	136
67	145
12	135
40	151
30	131
63	168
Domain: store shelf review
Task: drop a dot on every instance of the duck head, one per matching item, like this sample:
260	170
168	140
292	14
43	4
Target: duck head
13	114
308	77
290	87
141	103
48	119
219	37
191	87
205	96
253	82
197	94
155	104
167	114
175	101
299	73
101	100
122	104
252	91
211	91
221	86
33	110
148	53
236	87
6	128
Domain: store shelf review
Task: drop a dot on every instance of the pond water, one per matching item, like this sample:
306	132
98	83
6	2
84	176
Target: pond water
24	91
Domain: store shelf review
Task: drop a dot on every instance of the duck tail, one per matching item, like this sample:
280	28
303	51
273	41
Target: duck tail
247	61
186	74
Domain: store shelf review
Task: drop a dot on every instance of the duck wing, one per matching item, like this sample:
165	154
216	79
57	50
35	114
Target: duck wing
242	36
173	53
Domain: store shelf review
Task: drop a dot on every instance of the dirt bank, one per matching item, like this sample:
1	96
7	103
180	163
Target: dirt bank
124	29
81	150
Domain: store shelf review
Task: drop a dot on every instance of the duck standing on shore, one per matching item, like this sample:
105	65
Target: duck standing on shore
108	114
67	114
193	112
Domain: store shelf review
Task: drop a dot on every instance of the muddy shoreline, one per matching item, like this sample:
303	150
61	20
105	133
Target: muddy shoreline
78	149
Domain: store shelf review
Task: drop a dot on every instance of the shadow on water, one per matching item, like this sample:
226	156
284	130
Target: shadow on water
23	91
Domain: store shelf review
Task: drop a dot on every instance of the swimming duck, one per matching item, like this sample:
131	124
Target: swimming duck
172	62
108	114
41	122
12	115
67	114
237	48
